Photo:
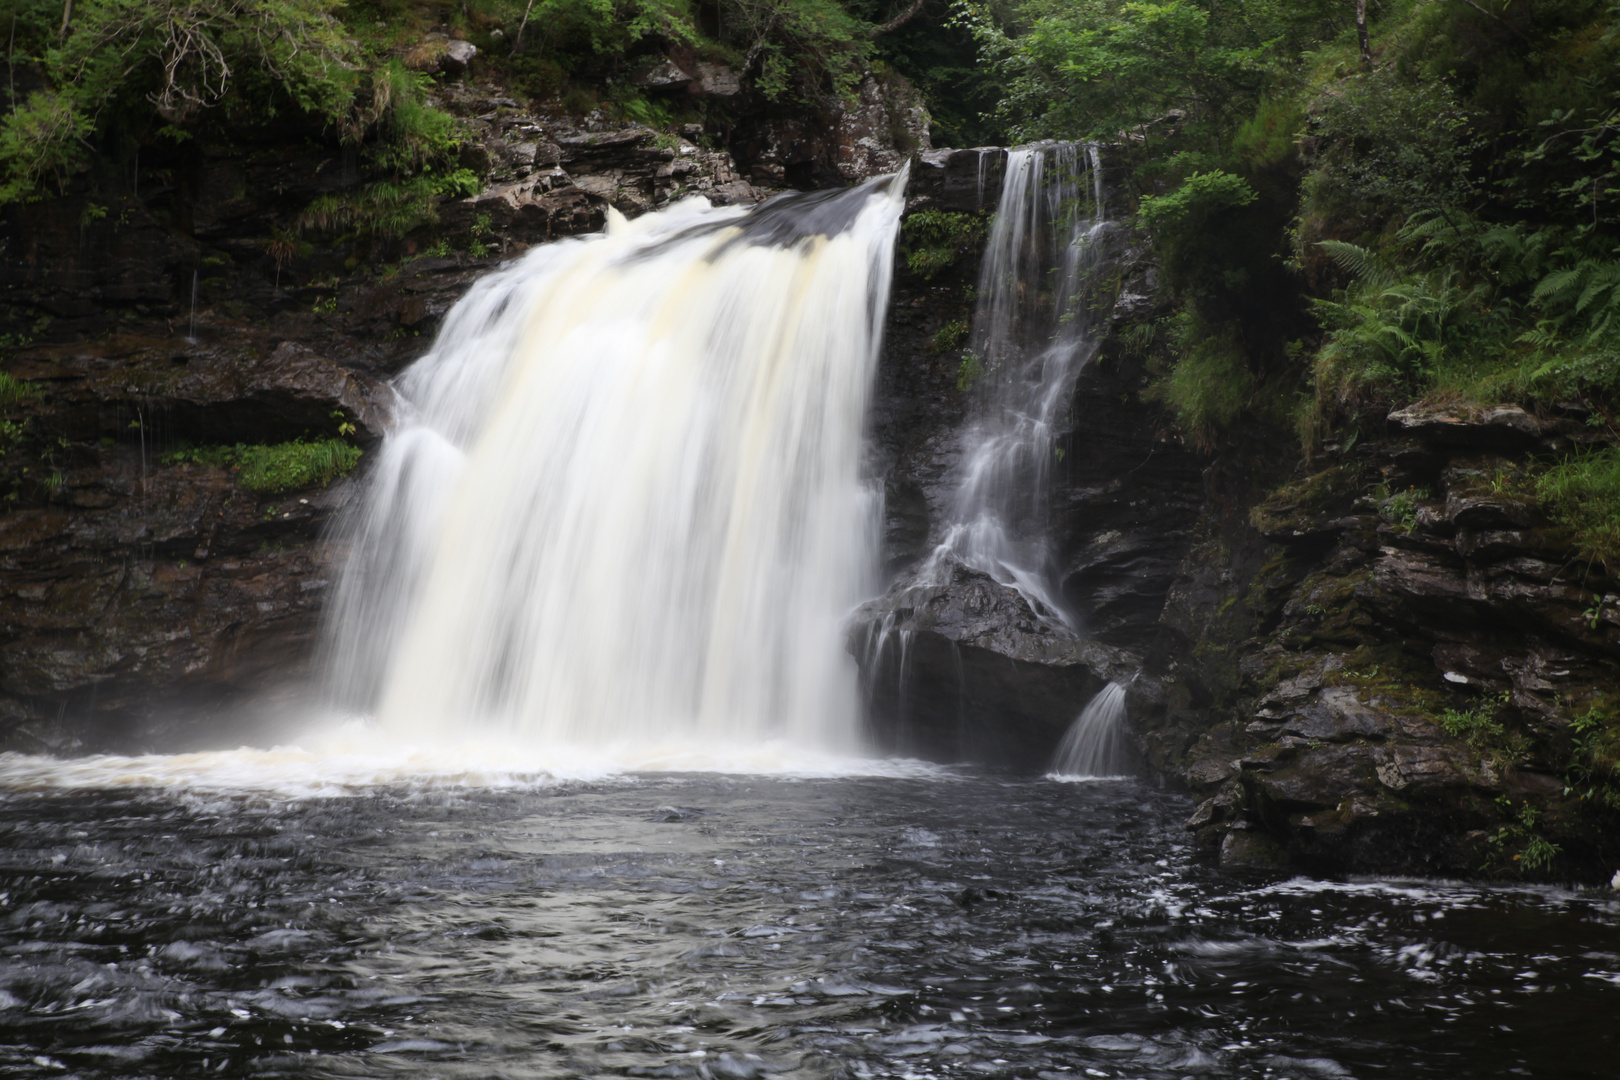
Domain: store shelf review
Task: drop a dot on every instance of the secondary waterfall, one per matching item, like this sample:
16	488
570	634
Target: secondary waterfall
623	503
1031	336
1096	744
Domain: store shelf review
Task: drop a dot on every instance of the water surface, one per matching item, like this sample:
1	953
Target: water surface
736	926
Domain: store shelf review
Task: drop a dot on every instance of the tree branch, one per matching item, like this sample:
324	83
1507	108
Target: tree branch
898	21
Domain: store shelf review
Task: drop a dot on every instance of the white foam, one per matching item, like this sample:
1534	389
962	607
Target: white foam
355	758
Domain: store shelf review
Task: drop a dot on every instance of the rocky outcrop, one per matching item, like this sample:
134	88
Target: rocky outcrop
1384	666
965	670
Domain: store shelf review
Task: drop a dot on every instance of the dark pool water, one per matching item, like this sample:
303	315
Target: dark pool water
733	927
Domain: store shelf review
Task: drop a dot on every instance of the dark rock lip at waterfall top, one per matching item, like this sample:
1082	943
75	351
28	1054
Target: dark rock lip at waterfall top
783	221
709	927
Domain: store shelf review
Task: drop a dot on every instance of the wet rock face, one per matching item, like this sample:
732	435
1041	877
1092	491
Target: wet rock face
1125	497
844	142
1381	668
142	596
966	671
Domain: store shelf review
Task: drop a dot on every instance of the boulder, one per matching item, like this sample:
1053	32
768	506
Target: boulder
964	669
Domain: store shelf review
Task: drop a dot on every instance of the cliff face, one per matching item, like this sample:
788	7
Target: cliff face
1382	660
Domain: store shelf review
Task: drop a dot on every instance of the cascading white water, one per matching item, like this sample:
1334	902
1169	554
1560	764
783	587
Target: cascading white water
1095	746
623	506
1031	336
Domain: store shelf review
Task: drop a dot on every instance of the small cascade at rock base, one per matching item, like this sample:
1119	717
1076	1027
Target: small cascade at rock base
622	505
1097	745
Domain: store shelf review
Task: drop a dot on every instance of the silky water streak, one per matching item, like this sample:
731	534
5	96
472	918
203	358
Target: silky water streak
622	505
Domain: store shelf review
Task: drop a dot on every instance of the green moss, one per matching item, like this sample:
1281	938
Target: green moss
1294	504
275	468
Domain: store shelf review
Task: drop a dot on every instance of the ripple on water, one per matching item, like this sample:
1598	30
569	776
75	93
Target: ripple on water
700	925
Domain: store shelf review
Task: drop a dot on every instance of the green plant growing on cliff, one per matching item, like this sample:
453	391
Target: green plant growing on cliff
1479	726
1536	852
15	391
1402	506
1582	493
1594	771
969	372
949	336
936	240
1209	383
278	467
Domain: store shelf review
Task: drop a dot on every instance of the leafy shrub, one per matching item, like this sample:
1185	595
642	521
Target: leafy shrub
1387	146
949	336
1188	208
176	58
1271	136
936	240
1479	726
969	372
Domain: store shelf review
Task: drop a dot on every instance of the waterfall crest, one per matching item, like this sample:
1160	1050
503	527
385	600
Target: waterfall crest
1031	337
622	505
1096	746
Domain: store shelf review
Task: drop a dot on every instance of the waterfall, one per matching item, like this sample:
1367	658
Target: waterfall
1031	336
1095	745
622	503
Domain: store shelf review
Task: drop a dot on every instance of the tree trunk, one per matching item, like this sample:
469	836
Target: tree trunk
898	21
517	39
1361	33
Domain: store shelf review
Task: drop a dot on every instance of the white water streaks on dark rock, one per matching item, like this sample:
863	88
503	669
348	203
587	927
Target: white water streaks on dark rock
708	927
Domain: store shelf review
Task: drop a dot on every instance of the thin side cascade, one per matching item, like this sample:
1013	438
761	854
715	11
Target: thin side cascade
1031	337
1096	746
623	504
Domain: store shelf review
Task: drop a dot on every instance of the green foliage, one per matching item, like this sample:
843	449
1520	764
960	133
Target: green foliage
1582	493
950	336
1478	726
39	142
15	391
278	467
936	240
411	133
1189	207
1209	385
1386	147
174	58
1402	506
1270	137
1096	68
797	48
969	372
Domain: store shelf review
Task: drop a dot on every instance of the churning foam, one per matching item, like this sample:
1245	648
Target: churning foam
355	758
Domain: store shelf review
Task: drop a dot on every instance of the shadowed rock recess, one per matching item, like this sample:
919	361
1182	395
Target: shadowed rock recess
1375	660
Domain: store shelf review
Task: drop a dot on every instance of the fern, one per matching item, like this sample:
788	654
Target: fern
1359	262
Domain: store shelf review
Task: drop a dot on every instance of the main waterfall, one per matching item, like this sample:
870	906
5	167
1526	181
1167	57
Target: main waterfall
622	503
